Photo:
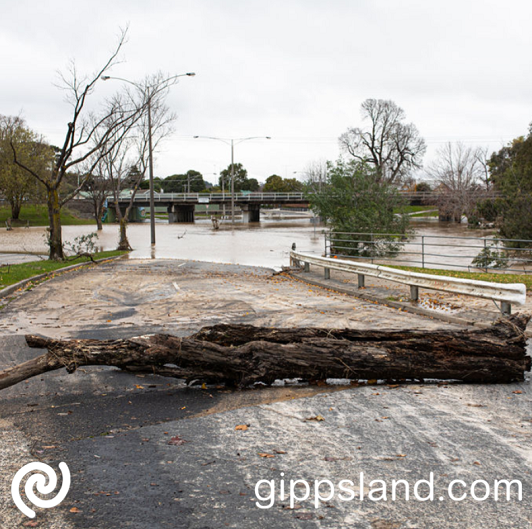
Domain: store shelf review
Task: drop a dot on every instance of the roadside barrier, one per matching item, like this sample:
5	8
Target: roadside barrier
506	294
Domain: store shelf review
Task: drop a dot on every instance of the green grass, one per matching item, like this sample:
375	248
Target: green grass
413	209
38	216
480	276
12	274
434	213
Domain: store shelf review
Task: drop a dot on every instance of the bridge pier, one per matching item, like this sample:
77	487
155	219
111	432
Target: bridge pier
134	214
181	214
250	212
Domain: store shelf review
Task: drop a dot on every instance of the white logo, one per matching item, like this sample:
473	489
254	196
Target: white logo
39	482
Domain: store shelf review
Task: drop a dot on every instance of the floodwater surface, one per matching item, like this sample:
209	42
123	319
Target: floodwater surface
267	243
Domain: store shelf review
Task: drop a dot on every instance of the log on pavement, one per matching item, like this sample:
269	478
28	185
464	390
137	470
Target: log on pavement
239	355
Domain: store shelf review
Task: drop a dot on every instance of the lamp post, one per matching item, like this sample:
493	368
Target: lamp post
232	142
149	92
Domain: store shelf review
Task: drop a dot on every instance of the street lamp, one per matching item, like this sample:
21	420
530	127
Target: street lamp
149	92
233	142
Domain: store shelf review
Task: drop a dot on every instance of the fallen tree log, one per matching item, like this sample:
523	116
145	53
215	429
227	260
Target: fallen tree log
239	355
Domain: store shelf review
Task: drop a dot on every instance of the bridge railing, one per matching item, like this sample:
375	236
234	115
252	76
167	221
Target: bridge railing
506	293
215	197
423	197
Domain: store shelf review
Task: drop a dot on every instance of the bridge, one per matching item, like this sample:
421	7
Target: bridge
181	206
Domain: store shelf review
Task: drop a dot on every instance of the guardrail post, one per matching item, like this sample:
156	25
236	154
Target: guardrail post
422	251
506	308
361	280
327	273
414	293
307	267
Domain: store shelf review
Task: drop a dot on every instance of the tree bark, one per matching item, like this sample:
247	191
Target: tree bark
55	240
123	243
98	204
15	209
239	355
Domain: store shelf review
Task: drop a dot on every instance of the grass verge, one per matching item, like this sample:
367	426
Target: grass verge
37	215
434	213
526	279
9	275
412	209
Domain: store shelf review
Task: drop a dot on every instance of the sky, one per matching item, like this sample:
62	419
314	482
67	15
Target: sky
294	70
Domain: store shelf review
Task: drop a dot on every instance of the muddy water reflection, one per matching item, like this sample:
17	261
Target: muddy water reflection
444	245
266	244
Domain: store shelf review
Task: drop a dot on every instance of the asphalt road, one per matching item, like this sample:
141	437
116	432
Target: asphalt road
149	452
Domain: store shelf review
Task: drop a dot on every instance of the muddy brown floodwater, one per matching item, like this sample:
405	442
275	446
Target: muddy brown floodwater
263	244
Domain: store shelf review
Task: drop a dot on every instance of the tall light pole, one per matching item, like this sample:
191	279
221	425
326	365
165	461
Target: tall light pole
232	142
149	92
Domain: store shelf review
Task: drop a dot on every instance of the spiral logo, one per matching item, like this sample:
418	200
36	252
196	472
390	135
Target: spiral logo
39	482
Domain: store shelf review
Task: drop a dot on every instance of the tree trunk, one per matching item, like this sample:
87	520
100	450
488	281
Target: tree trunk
55	241
239	355
123	243
99	214
15	209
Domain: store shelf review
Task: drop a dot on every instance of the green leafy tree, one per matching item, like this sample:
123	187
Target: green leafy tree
277	184
353	201
423	187
157	184
17	185
511	175
253	185
242	182
274	184
192	181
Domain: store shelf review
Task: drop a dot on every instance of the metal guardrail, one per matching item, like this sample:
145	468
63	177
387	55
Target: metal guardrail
507	294
434	251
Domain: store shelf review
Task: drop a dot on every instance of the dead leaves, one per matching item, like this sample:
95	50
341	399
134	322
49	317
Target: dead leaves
317	418
265	454
242	427
177	441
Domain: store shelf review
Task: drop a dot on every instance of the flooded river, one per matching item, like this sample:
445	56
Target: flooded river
266	243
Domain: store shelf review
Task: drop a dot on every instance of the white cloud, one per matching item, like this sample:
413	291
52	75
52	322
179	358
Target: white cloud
295	70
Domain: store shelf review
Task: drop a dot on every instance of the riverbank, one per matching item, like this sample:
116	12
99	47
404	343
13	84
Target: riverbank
37	215
13	273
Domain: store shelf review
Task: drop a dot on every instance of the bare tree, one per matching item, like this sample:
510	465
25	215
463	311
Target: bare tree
482	155
126	163
392	147
79	145
458	172
315	175
98	189
118	166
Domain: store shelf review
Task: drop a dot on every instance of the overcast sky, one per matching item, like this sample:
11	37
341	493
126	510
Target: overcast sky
295	70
